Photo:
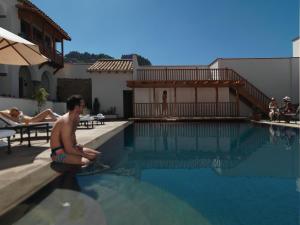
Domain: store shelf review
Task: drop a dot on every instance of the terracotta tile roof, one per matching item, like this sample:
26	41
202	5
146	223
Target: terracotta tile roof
30	6
112	65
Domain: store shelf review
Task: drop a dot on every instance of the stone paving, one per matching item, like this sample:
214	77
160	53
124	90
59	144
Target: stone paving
27	169
279	123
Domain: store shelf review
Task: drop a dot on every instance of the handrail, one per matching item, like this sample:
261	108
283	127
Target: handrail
254	91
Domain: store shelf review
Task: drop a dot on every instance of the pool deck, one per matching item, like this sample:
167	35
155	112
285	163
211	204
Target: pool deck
281	123
27	169
182	119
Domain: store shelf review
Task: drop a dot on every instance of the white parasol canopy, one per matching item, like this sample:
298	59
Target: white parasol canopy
15	50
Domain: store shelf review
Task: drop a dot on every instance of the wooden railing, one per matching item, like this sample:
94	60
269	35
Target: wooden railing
200	109
254	92
54	55
163	74
186	74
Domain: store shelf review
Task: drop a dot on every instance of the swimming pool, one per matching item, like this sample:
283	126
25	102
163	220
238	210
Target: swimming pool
180	173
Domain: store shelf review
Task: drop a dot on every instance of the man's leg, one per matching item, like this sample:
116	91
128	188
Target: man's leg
43	115
75	160
89	153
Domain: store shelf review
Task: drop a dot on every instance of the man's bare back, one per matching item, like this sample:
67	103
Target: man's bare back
63	141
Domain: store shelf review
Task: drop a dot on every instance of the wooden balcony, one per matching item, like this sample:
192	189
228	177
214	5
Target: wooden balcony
56	58
200	109
168	77
186	74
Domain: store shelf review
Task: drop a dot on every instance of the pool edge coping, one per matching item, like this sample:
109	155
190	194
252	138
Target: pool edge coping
41	174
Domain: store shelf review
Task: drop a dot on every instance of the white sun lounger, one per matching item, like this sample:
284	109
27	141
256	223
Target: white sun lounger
87	120
99	118
6	134
23	128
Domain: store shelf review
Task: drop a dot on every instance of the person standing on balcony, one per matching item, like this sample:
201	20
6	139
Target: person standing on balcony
165	103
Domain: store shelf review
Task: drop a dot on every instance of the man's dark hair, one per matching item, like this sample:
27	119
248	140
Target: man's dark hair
73	101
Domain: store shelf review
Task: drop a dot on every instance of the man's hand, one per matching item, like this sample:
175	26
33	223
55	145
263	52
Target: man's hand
79	147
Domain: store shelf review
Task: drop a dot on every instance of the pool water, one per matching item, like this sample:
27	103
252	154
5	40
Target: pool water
211	173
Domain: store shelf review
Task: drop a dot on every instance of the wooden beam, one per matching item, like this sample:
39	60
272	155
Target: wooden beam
196	101
175	101
217	101
181	83
133	101
237	102
62	50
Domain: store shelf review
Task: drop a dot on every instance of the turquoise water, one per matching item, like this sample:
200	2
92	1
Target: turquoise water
214	173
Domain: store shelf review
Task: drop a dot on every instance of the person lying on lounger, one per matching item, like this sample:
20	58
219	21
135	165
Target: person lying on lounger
18	116
63	143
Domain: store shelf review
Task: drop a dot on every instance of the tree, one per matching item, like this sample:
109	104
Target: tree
141	60
41	97
77	57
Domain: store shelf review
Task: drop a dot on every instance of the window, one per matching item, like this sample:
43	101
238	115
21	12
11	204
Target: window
37	35
48	42
25	29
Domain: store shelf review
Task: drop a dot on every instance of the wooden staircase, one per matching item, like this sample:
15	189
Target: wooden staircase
253	96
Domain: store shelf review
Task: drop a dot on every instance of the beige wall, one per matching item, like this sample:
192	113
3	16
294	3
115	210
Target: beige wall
183	95
276	77
107	87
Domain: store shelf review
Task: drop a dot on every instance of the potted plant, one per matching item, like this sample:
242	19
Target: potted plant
41	97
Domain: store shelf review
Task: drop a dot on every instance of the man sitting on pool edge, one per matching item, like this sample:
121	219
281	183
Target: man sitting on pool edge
64	147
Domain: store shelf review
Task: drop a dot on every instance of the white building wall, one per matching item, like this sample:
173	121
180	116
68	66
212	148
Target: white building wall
275	77
107	87
296	48
9	85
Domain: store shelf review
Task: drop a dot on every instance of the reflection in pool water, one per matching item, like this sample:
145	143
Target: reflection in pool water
186	173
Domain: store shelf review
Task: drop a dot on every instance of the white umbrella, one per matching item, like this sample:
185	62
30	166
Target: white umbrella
15	50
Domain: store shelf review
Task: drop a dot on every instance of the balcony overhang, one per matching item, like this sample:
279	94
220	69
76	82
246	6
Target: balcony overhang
184	83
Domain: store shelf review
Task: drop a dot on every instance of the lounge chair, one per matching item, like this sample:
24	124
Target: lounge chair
99	118
290	116
86	121
6	133
26	129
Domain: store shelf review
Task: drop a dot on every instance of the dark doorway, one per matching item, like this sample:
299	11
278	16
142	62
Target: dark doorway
21	91
128	103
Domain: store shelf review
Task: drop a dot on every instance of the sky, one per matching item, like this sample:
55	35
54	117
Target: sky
178	32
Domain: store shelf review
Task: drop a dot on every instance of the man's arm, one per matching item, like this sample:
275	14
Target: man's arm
67	140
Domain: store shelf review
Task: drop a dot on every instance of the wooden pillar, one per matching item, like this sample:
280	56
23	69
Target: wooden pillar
62	50
196	101
217	101
237	102
133	101
166	75
43	38
53	48
154	104
175	103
